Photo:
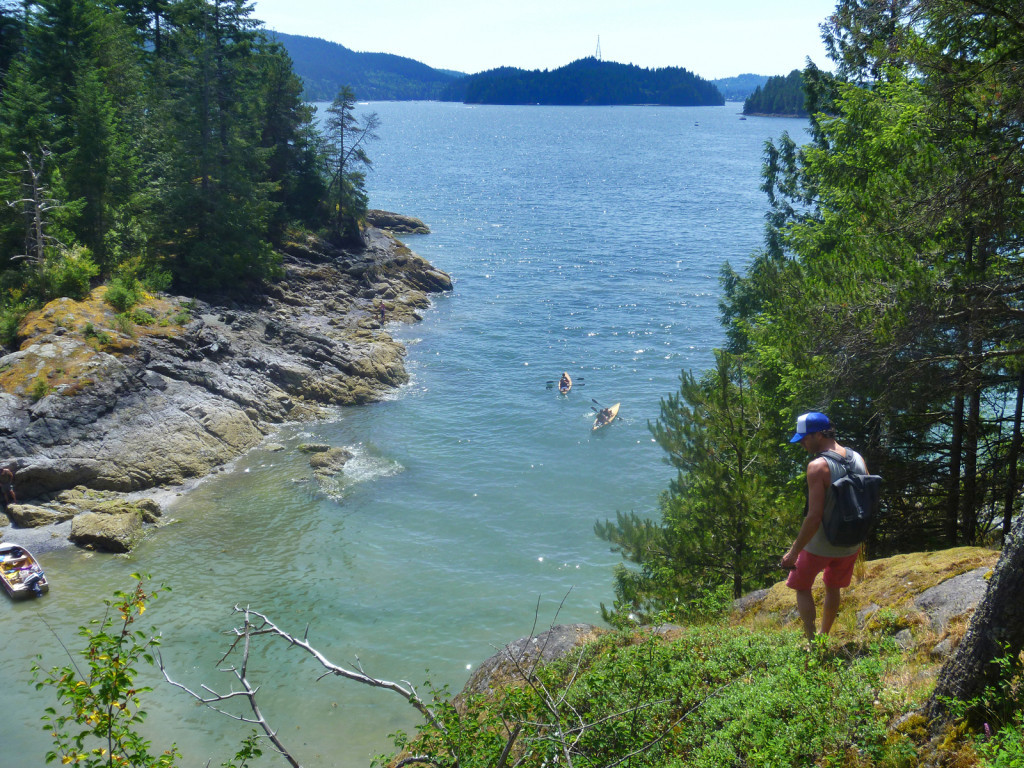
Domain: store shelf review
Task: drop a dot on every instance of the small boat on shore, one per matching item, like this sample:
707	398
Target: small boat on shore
605	416
20	573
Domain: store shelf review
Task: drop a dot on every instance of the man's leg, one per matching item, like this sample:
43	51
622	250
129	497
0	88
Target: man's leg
805	605
830	608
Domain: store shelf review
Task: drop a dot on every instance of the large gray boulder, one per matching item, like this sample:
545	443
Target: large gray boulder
31	516
954	597
106	532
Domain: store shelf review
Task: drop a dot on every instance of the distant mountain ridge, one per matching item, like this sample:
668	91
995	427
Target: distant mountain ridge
325	67
740	87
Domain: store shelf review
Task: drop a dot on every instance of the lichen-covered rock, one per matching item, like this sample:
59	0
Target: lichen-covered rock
329	462
954	597
517	660
107	533
397	223
32	516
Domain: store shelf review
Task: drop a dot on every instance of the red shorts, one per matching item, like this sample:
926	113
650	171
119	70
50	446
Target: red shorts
836	571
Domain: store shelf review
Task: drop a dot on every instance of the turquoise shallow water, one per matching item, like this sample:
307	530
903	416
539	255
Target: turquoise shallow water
579	239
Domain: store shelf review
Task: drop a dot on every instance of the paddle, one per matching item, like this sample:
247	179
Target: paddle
578	378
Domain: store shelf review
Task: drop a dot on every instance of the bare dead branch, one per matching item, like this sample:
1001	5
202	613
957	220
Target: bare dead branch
248	693
264	626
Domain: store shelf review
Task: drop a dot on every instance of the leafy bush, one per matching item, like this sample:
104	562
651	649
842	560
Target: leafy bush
1005	748
125	323
11	315
90	332
64	272
123	293
40	388
101	701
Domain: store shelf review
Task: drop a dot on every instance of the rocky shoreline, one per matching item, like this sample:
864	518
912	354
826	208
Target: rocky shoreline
101	415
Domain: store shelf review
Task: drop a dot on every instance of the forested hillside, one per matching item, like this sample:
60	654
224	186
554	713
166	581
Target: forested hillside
157	145
587	81
325	66
779	96
740	87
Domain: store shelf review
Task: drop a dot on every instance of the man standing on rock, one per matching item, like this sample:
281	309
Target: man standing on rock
812	553
7	496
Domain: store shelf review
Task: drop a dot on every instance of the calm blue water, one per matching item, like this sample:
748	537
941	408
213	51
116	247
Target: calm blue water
580	239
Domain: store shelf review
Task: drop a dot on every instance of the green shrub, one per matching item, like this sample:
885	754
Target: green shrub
140	317
66	272
125	323
123	293
1005	747
100	697
40	388
11	316
89	332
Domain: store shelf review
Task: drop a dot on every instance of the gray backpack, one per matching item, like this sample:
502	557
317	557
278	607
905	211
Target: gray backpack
856	508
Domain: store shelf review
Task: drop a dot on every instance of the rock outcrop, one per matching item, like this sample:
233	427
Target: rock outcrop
178	387
397	223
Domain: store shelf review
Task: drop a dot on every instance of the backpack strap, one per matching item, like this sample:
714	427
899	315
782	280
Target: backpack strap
847	462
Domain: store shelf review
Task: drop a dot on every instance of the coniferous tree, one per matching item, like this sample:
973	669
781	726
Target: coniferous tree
346	139
725	518
292	145
213	194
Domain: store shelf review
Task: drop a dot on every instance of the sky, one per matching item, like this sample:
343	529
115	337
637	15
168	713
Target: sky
711	38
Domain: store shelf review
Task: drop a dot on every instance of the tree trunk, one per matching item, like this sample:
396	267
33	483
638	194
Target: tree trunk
955	459
1011	460
997	628
969	503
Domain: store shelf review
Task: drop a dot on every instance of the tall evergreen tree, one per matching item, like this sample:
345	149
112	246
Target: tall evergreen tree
724	518
346	140
292	144
213	195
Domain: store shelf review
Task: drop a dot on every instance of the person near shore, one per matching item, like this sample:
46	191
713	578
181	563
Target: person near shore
382	313
812	553
7	496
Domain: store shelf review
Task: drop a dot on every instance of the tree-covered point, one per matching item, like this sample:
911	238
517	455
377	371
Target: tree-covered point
162	142
778	97
588	82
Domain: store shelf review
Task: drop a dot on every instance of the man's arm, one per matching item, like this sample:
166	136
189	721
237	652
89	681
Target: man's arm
818	478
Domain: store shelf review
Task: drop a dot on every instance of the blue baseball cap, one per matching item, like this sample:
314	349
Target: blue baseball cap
808	424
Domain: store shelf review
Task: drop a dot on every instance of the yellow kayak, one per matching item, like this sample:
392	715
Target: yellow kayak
606	416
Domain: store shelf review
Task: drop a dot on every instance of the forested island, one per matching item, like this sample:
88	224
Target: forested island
588	81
